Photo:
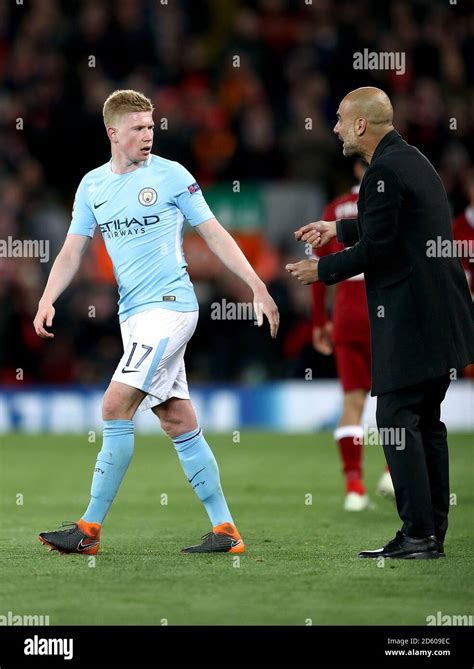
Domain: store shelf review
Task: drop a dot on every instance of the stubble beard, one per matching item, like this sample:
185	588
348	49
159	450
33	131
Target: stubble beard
349	150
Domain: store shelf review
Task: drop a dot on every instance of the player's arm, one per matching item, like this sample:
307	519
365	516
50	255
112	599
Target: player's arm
322	326
62	273
68	261
190	201
222	244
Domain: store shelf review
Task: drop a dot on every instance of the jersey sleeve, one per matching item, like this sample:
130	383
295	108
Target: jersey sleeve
83	220
188	197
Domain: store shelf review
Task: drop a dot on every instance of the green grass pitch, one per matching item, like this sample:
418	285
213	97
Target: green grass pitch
285	492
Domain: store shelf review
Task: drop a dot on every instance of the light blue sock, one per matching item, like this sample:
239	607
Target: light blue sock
112	463
200	467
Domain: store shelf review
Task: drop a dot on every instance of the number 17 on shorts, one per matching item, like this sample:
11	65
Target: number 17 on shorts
153	360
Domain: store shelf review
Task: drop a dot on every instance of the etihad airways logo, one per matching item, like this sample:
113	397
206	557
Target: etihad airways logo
128	226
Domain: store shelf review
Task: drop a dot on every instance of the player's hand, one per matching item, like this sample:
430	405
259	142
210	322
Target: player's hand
44	315
317	234
306	271
322	339
263	303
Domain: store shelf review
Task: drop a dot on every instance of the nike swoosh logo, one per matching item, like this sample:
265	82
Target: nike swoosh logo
96	206
129	371
82	546
201	470
235	542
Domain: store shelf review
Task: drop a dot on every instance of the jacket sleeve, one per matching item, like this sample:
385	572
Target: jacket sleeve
347	231
381	221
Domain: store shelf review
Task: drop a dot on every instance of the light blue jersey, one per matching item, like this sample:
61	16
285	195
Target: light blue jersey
141	216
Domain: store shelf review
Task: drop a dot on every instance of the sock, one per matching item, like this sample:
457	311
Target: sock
202	472
112	463
91	529
351	455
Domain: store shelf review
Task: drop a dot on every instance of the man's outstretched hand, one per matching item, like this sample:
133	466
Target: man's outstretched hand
306	271
317	234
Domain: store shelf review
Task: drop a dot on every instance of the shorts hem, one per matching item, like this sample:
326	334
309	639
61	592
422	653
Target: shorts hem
152	401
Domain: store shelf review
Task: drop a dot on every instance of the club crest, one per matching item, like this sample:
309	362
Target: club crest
147	196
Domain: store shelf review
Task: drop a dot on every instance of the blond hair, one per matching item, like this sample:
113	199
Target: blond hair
124	102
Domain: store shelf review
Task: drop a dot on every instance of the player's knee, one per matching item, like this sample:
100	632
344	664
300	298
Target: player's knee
112	409
169	428
176	417
354	401
176	423
173	425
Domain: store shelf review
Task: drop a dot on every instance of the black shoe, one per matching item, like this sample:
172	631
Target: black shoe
403	547
440	545
72	540
219	542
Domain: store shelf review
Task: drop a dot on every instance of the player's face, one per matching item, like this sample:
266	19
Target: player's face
344	129
135	135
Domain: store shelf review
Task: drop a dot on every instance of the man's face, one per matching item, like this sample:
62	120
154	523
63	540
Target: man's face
134	135
345	131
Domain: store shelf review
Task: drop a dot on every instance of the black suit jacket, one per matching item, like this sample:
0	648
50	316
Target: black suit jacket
420	308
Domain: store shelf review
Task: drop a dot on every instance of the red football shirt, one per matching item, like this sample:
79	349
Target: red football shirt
350	315
463	229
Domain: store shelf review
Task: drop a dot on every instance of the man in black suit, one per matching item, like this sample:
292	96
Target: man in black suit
420	309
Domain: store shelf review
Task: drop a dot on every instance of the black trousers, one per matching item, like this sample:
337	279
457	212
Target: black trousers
416	449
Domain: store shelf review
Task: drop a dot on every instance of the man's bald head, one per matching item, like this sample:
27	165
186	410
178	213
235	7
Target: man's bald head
370	103
365	115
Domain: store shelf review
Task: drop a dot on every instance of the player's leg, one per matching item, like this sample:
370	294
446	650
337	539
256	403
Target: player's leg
168	396
355	380
178	420
119	405
349	437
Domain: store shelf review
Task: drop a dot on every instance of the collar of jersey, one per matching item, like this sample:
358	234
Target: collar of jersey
145	164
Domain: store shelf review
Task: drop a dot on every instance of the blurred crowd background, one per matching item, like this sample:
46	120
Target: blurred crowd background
227	120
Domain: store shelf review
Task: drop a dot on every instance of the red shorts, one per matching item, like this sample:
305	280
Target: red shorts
353	365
